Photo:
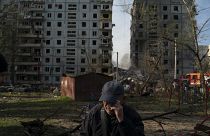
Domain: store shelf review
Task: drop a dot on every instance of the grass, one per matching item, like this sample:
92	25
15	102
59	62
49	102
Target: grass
16	107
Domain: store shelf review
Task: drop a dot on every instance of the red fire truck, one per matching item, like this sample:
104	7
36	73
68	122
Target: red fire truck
194	79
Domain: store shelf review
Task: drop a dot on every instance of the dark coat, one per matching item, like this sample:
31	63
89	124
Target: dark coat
131	125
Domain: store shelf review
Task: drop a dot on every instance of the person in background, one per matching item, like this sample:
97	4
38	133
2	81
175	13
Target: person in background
112	117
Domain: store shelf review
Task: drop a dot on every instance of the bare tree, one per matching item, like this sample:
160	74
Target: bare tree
193	45
192	12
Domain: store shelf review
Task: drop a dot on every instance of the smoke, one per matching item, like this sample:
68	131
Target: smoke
125	61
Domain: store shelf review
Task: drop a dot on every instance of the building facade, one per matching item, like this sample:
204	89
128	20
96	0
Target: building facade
159	32
78	38
30	33
204	51
72	37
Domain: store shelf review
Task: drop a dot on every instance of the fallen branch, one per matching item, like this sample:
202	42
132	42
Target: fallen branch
153	118
77	127
33	128
160	115
178	113
160	124
36	127
165	118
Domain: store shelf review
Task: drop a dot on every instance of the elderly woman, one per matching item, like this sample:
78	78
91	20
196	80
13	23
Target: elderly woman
112	117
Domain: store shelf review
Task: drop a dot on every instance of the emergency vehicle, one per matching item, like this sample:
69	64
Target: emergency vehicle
194	79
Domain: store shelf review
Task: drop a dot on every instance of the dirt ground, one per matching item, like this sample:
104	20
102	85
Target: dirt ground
177	125
174	125
16	107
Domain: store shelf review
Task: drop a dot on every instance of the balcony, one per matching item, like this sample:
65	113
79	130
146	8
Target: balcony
33	1
105	27
24	54
37	17
105	56
109	11
106	16
27	63
36	9
106	64
105	19
30	45
106	7
27	72
24	26
108	36
106	1
36	54
31	35
39	1
37	27
106	45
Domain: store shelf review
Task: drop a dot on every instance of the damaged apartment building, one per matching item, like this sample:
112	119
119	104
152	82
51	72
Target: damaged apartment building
57	37
159	32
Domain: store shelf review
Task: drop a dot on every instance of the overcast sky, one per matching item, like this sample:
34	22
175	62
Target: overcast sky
121	31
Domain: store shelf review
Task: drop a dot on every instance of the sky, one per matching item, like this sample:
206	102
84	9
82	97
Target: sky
201	18
121	31
122	20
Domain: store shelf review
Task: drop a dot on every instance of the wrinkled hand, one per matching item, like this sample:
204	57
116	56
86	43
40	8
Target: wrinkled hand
118	110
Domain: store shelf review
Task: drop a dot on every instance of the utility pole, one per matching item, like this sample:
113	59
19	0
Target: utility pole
175	58
117	68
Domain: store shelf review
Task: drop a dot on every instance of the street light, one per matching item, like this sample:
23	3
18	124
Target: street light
175	58
117	67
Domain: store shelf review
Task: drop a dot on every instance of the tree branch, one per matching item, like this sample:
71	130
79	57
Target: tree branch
160	124
145	83
179	43
205	23
204	56
203	9
160	115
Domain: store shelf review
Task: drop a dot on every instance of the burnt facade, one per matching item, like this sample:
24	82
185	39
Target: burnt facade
159	32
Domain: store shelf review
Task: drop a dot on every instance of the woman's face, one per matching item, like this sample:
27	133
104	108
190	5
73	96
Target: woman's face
107	106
